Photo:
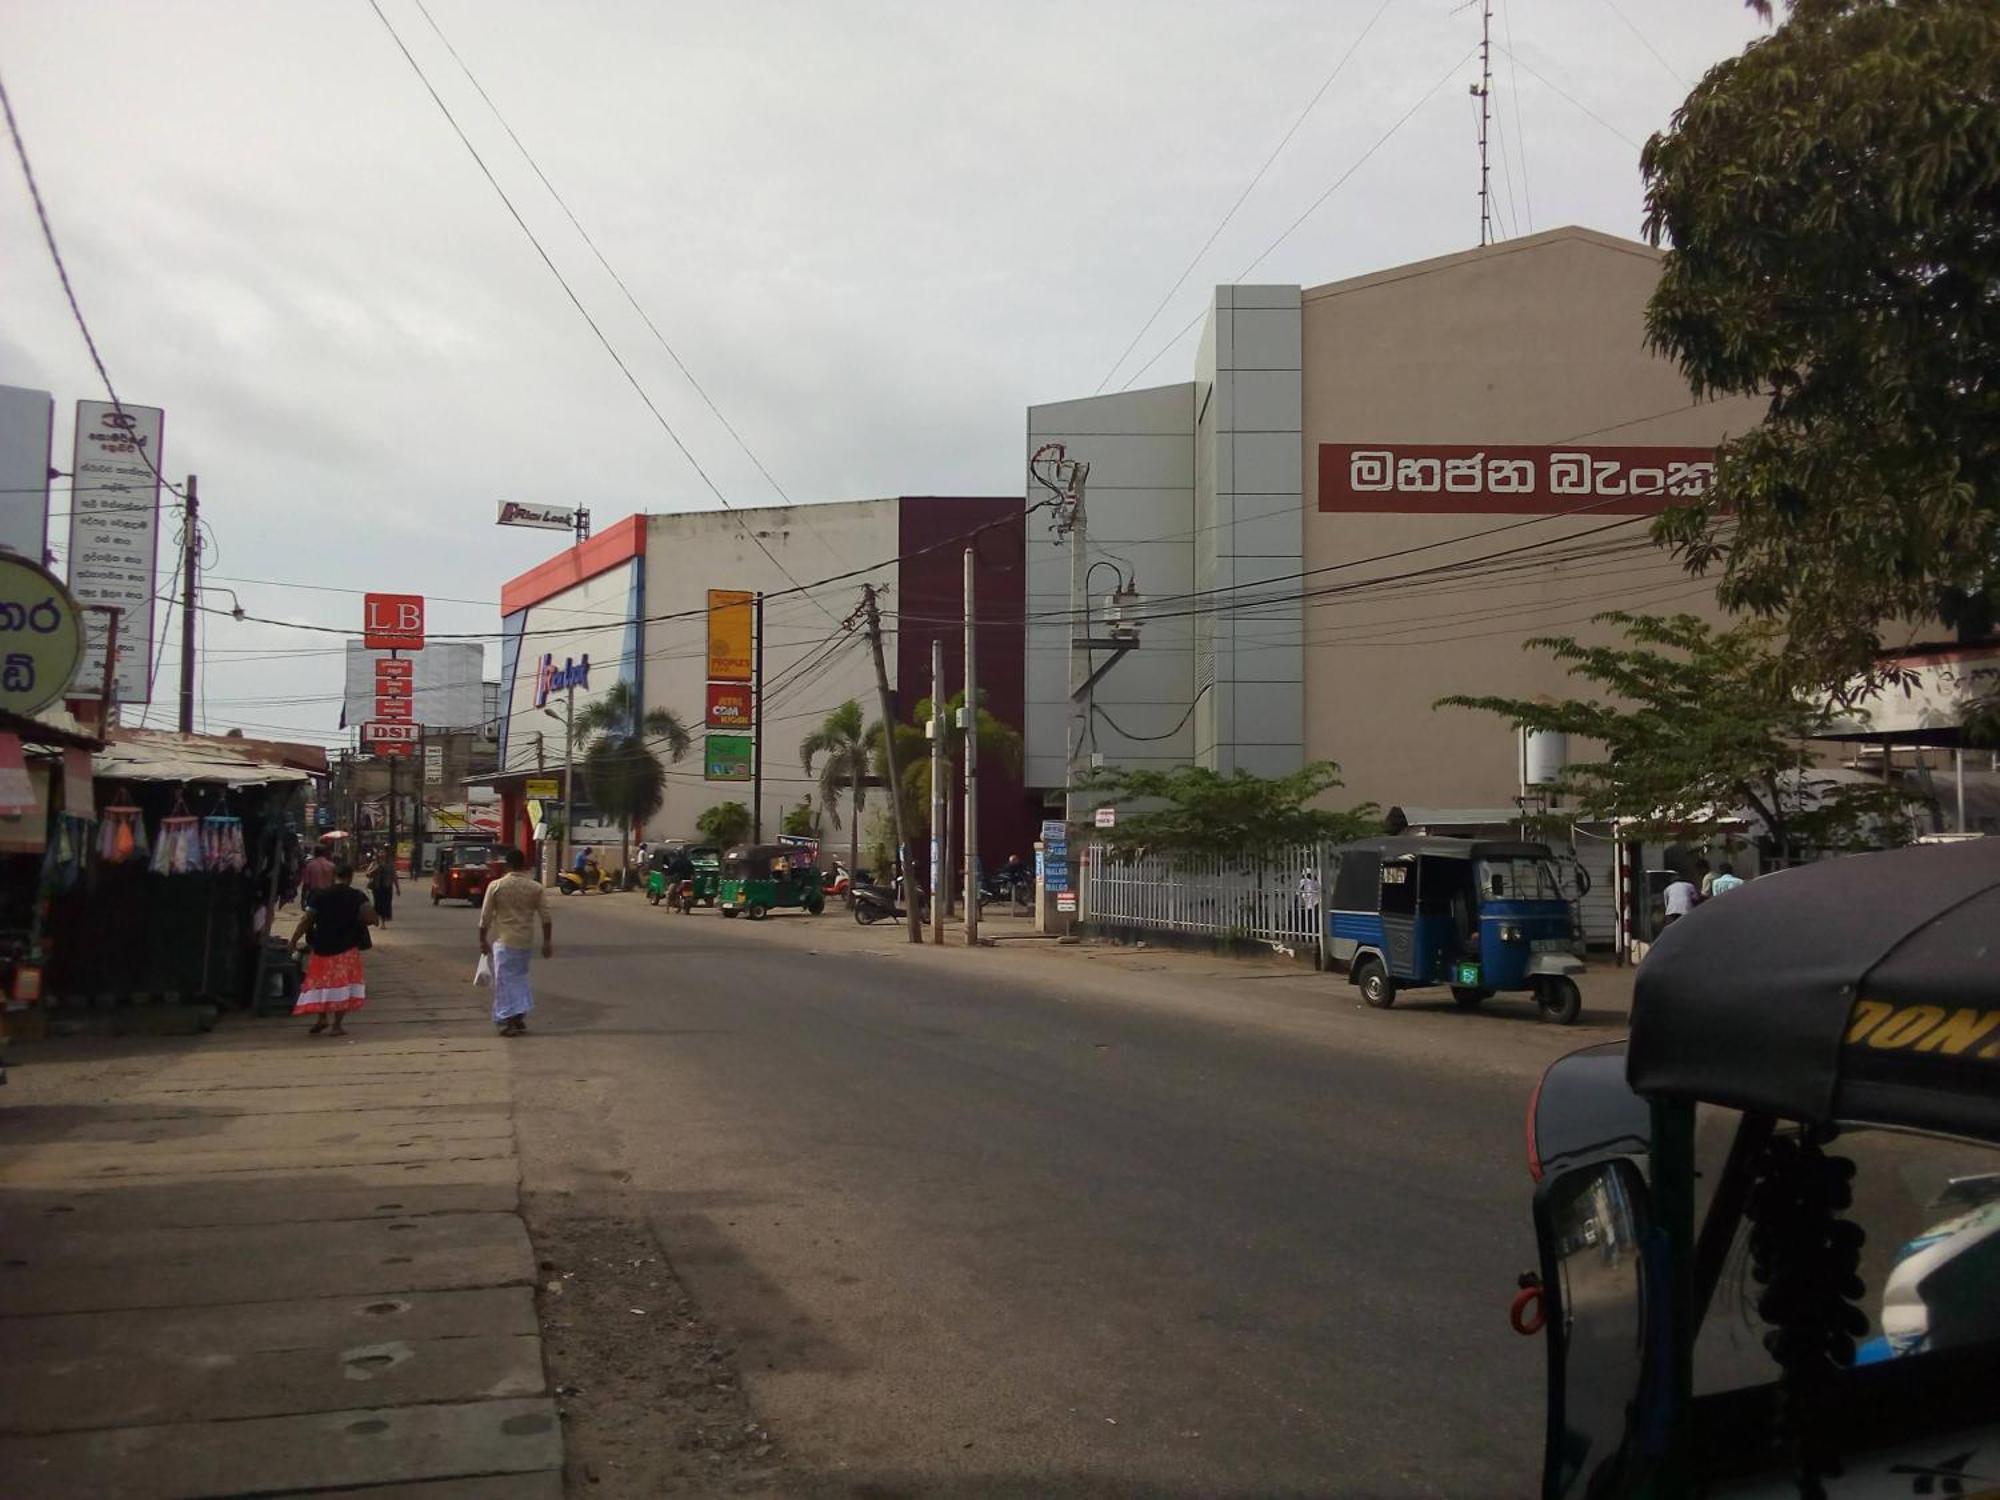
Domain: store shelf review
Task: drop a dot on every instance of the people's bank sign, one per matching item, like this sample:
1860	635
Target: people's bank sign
551	679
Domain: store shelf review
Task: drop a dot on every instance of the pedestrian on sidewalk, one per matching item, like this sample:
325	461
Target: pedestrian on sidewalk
335	929
316	876
514	904
383	885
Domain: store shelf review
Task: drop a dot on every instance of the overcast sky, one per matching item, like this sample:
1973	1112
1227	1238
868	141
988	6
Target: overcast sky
875	232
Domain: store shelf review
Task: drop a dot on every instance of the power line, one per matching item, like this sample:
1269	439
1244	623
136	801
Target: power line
1672	71
1248	188
62	274
612	272
1313	207
1514	95
569	291
1566	94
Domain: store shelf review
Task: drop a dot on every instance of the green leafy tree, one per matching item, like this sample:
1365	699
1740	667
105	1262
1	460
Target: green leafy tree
726	824
1832	200
1193	810
843	747
999	747
621	765
801	821
1697	725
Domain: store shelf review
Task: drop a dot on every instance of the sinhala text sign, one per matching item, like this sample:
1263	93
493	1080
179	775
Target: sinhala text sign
41	636
114	530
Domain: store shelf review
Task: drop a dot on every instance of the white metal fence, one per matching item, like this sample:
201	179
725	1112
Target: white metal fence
1272	897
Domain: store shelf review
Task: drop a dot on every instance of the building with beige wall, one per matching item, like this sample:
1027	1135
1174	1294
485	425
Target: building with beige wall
1369	496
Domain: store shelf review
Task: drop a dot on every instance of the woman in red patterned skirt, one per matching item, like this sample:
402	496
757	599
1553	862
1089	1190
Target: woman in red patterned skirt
334	930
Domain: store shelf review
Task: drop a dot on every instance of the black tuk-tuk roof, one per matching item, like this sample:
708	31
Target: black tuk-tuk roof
1395	845
1863	989
759	853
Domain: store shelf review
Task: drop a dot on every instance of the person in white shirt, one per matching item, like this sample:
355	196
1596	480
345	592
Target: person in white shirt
1680	897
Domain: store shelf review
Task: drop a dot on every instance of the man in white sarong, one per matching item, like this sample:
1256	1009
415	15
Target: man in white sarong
514	904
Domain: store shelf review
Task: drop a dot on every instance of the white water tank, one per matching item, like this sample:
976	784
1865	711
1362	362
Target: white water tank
1544	753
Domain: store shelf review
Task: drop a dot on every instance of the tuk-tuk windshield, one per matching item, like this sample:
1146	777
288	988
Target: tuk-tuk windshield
1930	1265
1520	878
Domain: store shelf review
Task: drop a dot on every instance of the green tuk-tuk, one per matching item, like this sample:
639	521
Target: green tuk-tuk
759	878
1769	1222
683	875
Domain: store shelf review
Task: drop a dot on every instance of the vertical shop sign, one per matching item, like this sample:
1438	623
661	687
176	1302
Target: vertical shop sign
433	765
729	632
114	535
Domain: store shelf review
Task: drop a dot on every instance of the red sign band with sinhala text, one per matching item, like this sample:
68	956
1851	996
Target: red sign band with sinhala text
1506	479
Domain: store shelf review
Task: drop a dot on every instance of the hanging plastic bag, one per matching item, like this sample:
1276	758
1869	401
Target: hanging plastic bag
482	973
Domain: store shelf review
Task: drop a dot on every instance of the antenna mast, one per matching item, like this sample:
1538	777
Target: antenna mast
1483	92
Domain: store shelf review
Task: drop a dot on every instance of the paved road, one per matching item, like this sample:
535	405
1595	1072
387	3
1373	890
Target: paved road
988	1221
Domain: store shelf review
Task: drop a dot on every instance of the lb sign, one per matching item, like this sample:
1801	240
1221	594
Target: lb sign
551	679
41	636
392	622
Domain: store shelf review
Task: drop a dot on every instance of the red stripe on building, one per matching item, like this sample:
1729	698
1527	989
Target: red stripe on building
603	552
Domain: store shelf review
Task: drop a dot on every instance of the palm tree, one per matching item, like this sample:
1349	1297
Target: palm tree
846	744
627	782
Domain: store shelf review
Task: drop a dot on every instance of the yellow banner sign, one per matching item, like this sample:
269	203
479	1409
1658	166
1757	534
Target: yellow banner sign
543	790
729	626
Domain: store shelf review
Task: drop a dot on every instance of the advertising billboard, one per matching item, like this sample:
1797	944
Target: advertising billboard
726	757
114	534
392	622
542	517
728	705
729	635
27	439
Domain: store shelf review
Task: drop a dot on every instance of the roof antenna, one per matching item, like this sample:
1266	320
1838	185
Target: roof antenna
1483	92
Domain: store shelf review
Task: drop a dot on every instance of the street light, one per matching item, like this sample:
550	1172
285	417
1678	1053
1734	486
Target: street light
568	720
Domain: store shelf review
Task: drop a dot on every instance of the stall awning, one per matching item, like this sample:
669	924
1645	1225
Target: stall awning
126	761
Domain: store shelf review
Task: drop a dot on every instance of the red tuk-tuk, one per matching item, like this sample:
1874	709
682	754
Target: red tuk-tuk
463	872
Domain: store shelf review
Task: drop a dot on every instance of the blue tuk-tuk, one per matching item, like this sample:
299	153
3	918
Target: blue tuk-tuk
1484	916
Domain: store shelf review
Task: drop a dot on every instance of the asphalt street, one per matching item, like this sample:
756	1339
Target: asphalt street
992	1221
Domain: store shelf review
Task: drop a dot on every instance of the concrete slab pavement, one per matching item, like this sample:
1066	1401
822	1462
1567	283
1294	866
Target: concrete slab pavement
261	1263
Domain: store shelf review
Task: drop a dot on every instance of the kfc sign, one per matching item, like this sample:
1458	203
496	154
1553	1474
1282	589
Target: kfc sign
1415	478
392	622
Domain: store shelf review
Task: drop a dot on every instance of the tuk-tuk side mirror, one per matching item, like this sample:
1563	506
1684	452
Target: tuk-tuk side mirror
1597	1242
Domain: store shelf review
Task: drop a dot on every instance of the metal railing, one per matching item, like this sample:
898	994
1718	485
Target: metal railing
1272	897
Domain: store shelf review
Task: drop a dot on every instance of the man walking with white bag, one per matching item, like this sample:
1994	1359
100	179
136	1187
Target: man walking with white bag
507	918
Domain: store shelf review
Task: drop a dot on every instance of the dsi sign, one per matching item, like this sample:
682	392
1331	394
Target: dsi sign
551	679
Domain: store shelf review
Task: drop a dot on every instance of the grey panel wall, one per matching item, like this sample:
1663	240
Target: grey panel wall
1250	535
1140	509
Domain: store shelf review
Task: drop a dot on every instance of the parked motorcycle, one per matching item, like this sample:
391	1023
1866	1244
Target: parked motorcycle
872	903
1015	887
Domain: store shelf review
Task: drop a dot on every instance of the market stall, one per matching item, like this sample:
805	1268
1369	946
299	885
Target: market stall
169	885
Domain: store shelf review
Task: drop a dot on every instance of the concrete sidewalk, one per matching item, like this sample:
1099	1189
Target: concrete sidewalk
264	1263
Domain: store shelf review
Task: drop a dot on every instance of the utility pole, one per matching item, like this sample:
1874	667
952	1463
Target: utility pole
971	731
190	557
757	728
569	778
940	851
393	758
889	755
1079	662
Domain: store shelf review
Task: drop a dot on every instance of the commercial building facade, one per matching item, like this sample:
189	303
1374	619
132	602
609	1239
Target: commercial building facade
1370	494
630	605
